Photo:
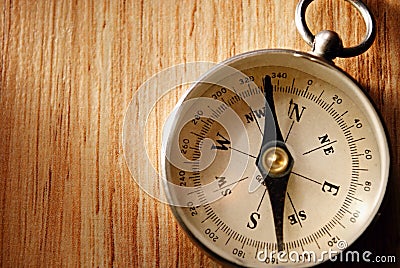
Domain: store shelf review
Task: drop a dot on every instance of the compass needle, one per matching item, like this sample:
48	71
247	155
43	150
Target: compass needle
274	162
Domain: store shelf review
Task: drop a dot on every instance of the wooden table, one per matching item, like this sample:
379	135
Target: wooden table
68	72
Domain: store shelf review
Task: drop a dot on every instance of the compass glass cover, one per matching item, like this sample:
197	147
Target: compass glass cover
331	130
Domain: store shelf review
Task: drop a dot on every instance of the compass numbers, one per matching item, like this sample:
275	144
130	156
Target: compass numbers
294	109
222	141
279	75
254	217
337	99
330	188
358	123
192	209
246	80
367	186
219	93
197	117
238	252
324	140
182	178
333	241
193	133
355	215
210	234
184	146
368	154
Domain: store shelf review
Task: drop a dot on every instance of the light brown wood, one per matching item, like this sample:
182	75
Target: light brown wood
68	72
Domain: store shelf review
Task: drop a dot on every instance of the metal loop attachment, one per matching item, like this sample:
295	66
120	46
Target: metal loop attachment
327	44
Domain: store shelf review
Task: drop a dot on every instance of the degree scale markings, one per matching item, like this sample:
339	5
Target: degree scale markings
336	219
351	142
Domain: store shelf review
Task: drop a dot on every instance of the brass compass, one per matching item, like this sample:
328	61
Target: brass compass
277	151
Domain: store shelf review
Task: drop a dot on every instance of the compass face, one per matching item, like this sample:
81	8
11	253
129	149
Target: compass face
332	132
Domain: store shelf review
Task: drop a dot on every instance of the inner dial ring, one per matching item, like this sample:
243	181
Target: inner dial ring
334	135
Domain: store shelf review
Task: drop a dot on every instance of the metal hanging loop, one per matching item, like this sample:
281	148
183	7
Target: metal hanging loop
328	44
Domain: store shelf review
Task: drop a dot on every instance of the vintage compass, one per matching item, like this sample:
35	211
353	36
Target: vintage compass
274	153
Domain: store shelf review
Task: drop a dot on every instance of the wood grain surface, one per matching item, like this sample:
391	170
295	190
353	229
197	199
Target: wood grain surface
68	70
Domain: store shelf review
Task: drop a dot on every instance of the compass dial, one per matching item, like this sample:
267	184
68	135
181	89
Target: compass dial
332	138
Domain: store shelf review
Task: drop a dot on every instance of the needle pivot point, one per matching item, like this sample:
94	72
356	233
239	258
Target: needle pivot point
275	160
